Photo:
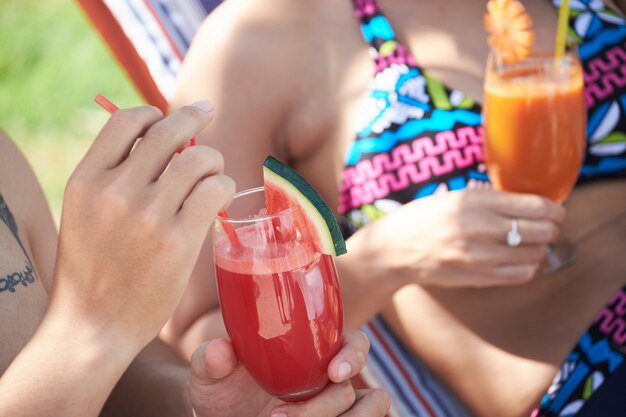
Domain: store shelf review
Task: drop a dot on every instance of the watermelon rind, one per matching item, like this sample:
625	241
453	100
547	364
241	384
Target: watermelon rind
331	241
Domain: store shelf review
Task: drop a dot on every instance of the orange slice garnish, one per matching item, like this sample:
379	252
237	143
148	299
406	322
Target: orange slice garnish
510	29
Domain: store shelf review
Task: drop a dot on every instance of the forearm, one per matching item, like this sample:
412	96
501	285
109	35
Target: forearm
366	287
154	385
67	369
208	327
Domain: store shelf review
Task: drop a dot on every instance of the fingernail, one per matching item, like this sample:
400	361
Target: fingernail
204	105
279	414
344	370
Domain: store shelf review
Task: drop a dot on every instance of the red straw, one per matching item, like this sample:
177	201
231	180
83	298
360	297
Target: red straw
107	105
230	232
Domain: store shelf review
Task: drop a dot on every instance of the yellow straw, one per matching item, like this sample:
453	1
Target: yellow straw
561	29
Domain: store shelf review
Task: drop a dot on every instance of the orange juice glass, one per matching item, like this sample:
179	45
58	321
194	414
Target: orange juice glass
535	125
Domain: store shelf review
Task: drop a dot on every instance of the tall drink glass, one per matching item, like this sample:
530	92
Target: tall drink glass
279	296
535	121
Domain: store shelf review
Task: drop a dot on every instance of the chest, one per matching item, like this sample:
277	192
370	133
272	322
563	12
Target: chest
447	40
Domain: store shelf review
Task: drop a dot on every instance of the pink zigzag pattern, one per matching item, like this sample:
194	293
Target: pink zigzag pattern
411	153
597	66
401	56
365	8
611	318
416	163
602	77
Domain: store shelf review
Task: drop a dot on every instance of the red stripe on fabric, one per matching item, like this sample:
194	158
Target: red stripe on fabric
404	373
124	51
177	52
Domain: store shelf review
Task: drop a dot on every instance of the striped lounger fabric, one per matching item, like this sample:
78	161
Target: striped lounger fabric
149	38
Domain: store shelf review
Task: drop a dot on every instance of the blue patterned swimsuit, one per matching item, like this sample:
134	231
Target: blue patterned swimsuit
418	137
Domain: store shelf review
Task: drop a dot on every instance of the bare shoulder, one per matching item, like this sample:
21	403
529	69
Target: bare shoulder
24	196
252	59
248	44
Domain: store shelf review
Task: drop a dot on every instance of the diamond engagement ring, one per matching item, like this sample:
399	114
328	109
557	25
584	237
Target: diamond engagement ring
513	238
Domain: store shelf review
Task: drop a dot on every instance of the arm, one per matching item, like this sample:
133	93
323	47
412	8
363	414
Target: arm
155	384
250	108
50	374
98	319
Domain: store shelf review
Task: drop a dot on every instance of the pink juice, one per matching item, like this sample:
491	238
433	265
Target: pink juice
282	308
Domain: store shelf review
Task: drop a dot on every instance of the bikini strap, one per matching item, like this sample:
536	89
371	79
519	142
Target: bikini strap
378	33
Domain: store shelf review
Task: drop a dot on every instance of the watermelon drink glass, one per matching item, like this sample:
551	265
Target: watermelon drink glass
279	296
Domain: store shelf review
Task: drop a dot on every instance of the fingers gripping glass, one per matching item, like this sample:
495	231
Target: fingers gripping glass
535	121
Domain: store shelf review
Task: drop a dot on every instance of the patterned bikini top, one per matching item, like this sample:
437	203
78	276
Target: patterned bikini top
417	137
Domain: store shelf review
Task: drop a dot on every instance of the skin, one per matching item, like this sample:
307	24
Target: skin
289	77
78	330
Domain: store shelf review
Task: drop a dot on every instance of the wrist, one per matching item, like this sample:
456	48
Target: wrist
52	373
372	263
367	286
89	338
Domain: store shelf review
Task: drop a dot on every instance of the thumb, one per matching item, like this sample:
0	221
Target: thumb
213	361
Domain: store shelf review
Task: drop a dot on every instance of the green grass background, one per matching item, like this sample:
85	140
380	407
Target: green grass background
52	64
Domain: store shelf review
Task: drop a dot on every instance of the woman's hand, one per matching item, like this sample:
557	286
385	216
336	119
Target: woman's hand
459	239
221	387
133	223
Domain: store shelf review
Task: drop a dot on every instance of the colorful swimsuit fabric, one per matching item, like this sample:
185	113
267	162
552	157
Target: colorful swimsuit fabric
417	137
601	351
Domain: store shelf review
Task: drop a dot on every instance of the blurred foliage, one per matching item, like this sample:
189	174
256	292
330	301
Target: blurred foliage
52	64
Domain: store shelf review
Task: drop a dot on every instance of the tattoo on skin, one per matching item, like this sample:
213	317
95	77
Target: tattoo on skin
26	276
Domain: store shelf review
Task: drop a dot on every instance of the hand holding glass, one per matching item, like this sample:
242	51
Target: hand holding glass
535	121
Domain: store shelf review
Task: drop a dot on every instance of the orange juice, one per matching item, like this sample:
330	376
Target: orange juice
535	120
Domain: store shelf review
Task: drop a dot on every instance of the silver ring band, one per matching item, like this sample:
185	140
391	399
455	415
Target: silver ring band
513	238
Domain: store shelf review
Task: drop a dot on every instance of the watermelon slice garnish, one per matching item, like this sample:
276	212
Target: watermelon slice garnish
285	188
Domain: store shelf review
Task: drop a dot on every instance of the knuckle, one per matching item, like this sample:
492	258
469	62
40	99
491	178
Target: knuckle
204	158
162	131
346	393
152	111
193	159
172	244
223	186
479	254
548	232
382	397
539	206
138	116
197	115
554	232
114	201
528	272
125	116
365	341
215	157
467	197
147	220
77	185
